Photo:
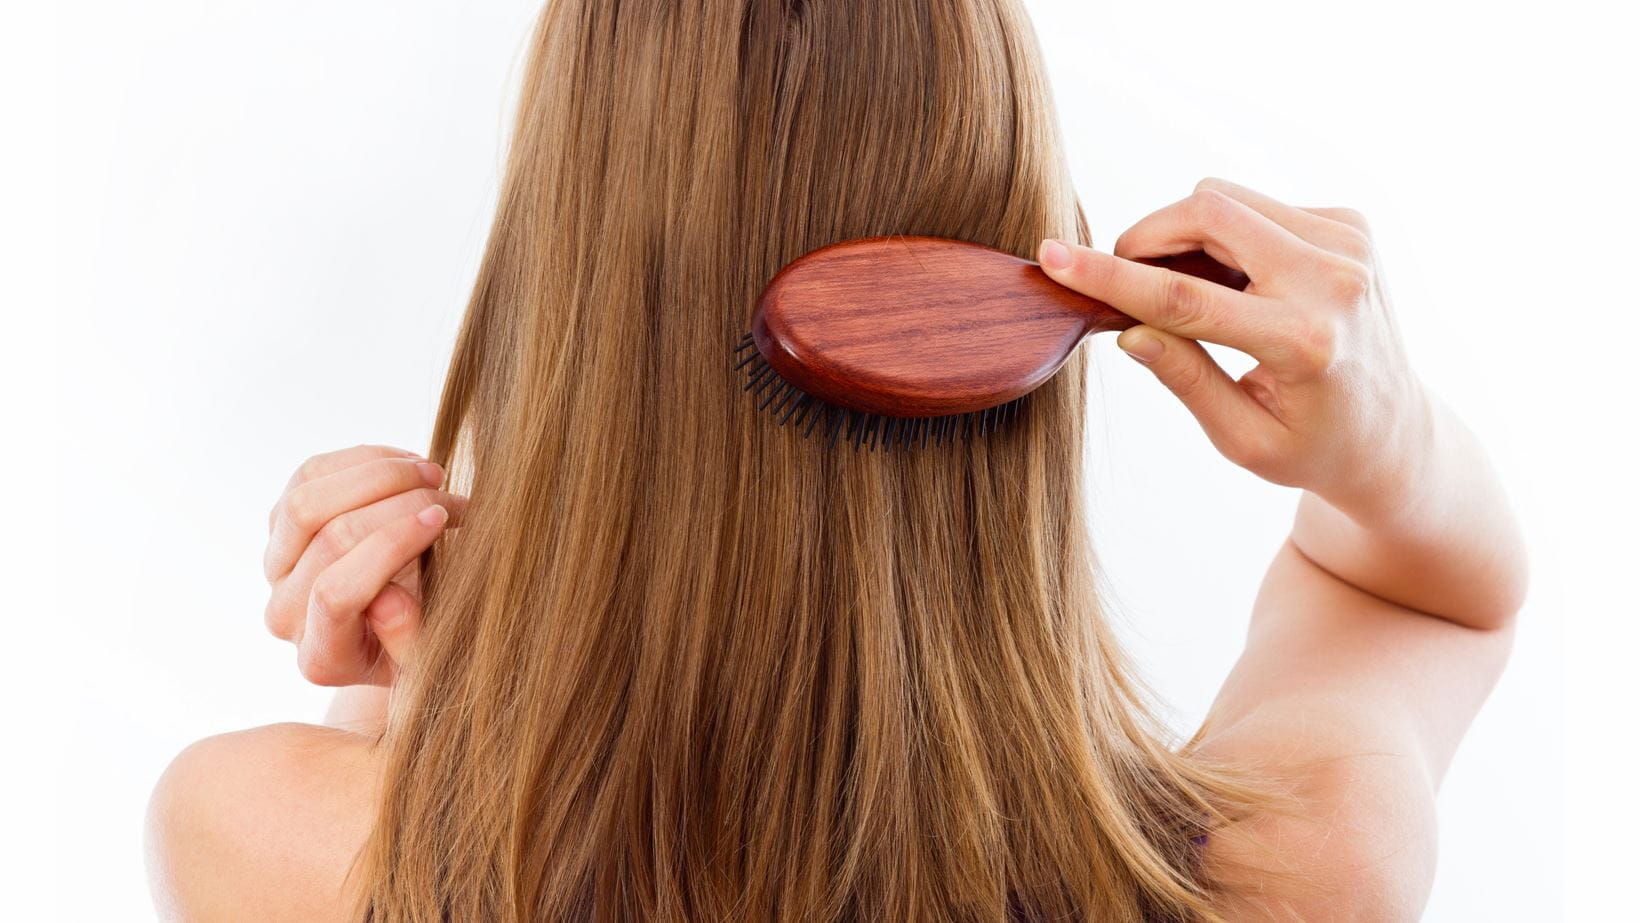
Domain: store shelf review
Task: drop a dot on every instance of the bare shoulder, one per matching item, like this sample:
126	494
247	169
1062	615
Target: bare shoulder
261	824
1356	841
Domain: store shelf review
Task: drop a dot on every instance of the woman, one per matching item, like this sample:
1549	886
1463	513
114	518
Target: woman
677	663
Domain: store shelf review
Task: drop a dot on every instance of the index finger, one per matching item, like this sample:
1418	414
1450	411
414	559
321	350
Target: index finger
1173	301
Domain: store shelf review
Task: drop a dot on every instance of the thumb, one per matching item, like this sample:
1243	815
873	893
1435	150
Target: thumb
1227	413
394	617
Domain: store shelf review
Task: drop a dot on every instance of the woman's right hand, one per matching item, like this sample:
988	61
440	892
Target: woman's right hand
344	560
1333	405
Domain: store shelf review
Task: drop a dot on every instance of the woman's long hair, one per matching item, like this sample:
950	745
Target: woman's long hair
680	663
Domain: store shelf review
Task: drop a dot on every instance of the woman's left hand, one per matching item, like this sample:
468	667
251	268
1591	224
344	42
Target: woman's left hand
343	560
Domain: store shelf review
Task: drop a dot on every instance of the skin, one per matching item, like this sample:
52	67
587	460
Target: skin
1381	625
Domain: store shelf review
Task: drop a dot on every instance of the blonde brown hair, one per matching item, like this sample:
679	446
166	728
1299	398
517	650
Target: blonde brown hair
681	664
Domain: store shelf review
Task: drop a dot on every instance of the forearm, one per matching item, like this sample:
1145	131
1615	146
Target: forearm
1446	545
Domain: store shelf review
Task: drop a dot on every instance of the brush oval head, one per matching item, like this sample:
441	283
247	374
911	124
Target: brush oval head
916	328
920	326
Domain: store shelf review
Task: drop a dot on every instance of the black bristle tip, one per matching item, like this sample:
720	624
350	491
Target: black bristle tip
786	403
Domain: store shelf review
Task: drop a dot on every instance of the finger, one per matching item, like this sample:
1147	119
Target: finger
1168	300
394	618
1345	216
1228	230
305	508
342	534
1231	418
1322	231
334	649
287	604
331	462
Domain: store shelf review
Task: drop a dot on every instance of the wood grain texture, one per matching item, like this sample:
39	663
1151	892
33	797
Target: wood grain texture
924	326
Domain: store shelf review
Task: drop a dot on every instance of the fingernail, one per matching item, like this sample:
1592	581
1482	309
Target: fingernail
1141	345
431	473
434	515
1053	254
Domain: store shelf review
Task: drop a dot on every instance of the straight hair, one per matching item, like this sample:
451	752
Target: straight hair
682	664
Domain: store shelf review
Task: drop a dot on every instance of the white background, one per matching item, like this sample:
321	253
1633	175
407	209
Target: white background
234	234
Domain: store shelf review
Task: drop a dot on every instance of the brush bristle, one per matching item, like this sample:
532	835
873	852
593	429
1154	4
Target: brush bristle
787	403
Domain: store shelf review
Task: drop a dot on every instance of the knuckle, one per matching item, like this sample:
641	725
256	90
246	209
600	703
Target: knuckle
1350	217
1182	301
277	620
334	539
1189	379
270	569
391	473
305	663
308	469
326	600
1355	244
1347	282
1316	343
1211	206
317	668
298	510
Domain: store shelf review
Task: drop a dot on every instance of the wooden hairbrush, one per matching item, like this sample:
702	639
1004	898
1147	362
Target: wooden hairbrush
902	340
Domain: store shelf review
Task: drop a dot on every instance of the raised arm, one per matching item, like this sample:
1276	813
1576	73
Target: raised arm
1385	617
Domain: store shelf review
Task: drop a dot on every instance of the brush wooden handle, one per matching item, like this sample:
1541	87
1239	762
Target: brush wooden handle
924	326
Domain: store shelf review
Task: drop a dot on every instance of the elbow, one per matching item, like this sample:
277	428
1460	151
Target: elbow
1510	585
1496	584
1513	568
